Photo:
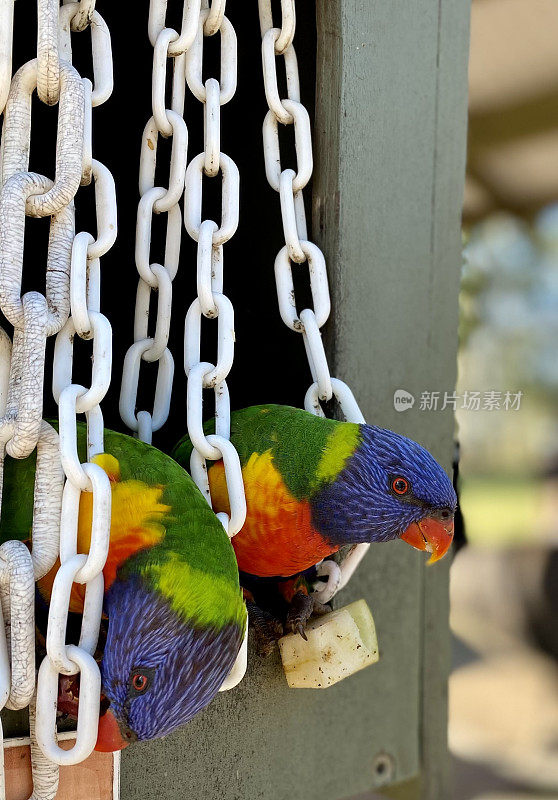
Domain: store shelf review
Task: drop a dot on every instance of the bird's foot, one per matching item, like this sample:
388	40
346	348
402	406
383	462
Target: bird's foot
301	608
267	628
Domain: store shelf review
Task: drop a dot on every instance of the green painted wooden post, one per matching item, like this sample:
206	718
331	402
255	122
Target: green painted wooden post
390	148
390	145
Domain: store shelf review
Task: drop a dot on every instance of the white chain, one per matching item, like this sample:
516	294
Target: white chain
72	288
168	48
210	236
185	51
298	249
211	302
87	322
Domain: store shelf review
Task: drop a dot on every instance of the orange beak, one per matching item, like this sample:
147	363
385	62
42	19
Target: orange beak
433	534
109	736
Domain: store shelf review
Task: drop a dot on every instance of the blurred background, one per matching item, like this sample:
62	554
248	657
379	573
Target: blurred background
504	583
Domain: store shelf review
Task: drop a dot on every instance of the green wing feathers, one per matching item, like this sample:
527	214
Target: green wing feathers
307	451
191	562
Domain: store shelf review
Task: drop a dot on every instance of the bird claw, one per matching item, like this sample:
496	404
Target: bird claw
302	607
267	629
301	631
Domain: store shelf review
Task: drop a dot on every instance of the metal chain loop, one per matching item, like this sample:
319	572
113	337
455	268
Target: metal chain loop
101	48
194	60
225	339
230	198
271	87
130	382
190	16
84	14
288	23
160	58
298	248
16	136
6	35
164	306
101	336
58	650
209	269
303	145
293	216
88	719
143	236
212	127
48	59
148	161
215	16
318	285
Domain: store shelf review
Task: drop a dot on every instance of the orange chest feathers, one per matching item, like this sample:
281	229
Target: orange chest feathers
277	538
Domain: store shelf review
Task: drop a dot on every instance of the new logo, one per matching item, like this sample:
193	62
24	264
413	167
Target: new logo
402	400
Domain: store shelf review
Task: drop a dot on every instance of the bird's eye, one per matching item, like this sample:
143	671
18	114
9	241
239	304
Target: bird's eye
400	485
141	678
139	682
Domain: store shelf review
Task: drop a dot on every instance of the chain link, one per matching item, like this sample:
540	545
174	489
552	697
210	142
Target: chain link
288	23
298	249
6	37
70	17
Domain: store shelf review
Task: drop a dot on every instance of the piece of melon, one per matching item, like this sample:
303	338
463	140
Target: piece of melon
339	644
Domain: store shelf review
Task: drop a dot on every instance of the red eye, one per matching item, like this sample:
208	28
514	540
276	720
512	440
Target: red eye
400	485
139	682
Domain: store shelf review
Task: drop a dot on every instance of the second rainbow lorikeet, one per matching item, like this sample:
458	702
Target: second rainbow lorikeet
314	484
174	617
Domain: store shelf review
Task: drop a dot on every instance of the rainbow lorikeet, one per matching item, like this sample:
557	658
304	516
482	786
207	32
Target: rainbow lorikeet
173	603
314	484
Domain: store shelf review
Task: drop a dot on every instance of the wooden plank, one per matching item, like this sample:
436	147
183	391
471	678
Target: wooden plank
92	779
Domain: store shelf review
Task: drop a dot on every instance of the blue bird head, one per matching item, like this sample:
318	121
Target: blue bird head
157	671
391	487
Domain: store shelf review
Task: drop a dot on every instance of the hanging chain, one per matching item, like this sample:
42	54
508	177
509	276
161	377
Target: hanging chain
211	302
184	50
276	42
169	47
88	323
69	306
